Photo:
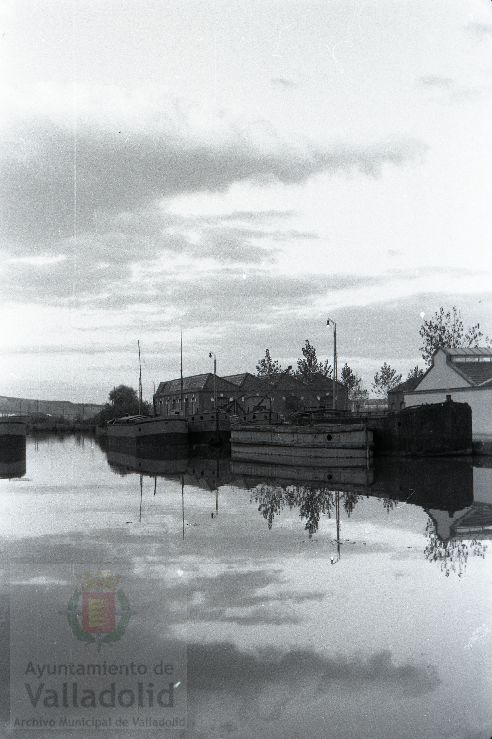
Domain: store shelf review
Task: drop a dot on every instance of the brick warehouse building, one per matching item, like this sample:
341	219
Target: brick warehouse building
282	394
198	395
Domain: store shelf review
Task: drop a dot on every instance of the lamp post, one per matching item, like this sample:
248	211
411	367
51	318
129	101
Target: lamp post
331	322
212	354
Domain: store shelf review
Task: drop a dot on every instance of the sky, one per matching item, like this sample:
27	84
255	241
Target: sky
240	170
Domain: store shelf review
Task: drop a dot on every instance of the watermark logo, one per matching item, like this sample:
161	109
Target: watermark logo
112	667
98	611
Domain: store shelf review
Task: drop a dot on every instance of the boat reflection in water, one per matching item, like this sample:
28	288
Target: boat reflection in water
455	495
206	467
11	469
125	462
12	447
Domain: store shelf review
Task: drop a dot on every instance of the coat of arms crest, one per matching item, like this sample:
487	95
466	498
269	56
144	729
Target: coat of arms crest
98	610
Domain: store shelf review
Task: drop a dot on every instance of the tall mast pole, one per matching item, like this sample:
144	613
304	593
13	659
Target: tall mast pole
215	396
210	355
335	366
181	373
139	381
338	522
329	322
141	494
183	503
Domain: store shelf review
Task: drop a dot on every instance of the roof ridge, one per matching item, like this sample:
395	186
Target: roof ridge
467	350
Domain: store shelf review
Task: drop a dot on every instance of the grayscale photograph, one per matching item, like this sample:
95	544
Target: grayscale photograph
246	369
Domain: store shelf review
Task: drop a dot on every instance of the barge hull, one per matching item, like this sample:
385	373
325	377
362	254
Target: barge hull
302	457
332	445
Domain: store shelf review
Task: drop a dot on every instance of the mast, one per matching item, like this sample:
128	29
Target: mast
141	494
139	381
183	503
335	366
181	373
331	322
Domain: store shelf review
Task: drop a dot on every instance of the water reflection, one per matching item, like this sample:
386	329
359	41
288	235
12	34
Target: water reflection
278	642
455	495
13	461
451	554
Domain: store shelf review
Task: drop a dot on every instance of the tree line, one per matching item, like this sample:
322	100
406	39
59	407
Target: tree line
444	328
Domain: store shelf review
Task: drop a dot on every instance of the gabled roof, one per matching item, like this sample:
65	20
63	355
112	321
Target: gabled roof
324	383
320	383
466	351
282	379
241	378
407	386
477	373
193	384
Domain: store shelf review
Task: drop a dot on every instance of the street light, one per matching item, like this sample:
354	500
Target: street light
212	354
331	322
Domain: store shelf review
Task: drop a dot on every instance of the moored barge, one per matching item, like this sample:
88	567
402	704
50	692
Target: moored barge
334	445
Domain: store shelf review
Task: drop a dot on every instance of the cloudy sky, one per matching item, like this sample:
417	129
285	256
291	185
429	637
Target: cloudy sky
240	170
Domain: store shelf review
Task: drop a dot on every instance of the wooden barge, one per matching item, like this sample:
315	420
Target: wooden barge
138	433
433	430
331	445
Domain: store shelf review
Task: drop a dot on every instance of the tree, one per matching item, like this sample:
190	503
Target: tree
268	367
123	401
124	398
446	328
416	373
353	383
385	380
309	368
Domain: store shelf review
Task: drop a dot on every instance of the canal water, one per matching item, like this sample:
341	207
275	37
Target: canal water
192	596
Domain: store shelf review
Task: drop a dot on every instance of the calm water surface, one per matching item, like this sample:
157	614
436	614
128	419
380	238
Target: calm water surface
293	608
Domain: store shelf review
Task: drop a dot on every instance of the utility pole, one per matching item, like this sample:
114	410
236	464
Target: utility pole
139	381
212	354
331	322
181	374
183	504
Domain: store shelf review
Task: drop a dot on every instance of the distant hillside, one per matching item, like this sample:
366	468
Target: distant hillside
27	406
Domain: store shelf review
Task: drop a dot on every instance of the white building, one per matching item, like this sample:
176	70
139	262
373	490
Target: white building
465	374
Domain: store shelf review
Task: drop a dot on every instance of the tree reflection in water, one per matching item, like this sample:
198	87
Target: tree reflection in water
349	502
451	554
389	504
311	501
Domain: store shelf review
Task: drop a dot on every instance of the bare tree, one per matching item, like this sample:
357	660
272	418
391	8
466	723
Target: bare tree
353	383
309	368
446	328
385	380
268	367
416	373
